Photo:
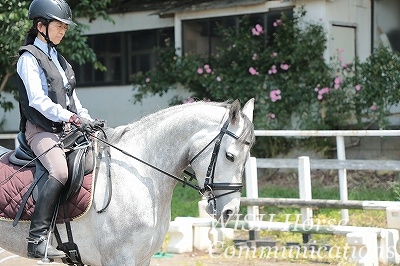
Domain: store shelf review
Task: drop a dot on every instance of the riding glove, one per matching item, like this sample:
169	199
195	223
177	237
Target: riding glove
83	124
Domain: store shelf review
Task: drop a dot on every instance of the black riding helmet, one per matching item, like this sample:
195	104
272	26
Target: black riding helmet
51	10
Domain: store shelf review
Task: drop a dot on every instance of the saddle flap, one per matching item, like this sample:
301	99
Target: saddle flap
79	164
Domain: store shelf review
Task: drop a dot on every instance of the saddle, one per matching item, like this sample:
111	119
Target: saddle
80	161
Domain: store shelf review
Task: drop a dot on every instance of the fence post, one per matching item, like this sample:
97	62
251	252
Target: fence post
305	191
252	186
341	155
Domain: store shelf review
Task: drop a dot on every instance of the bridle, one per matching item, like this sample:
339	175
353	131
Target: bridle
209	185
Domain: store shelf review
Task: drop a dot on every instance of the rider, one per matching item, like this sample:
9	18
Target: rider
48	103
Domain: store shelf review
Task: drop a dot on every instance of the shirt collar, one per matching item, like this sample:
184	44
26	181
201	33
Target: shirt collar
44	47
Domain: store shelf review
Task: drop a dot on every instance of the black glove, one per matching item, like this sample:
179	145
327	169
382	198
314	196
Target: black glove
81	123
97	123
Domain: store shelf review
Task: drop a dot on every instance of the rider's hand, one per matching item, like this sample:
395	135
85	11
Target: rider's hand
81	123
97	123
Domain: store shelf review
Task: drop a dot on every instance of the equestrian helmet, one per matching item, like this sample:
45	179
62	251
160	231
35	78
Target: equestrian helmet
51	10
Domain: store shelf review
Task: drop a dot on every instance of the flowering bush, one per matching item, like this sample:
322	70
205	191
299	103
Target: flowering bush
293	85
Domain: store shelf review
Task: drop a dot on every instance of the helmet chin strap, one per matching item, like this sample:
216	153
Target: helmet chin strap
50	44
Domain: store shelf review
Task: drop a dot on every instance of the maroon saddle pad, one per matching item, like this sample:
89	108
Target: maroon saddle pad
15	182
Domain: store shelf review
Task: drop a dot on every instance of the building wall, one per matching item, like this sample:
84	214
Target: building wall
113	103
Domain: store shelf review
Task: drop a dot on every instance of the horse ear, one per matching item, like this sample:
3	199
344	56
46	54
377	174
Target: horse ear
249	108
234	111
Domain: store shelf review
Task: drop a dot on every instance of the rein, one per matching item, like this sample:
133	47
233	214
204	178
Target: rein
182	180
209	185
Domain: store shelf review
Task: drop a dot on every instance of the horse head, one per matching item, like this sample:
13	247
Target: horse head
220	177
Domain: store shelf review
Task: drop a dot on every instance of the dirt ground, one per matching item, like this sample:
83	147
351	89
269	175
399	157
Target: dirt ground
168	259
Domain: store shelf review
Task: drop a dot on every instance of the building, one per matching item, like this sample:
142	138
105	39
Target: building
126	46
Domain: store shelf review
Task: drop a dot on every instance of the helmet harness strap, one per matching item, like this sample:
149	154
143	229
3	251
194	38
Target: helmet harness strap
50	44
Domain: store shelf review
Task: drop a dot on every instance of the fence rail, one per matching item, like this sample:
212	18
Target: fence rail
340	163
320	203
12	136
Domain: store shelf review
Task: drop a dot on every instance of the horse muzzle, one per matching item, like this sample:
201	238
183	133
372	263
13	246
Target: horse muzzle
223	212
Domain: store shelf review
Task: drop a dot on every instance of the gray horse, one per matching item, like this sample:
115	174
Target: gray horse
213	138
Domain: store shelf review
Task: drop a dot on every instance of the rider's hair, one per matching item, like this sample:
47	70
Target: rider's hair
33	31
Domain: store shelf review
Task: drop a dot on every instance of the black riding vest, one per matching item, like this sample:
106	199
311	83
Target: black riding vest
56	90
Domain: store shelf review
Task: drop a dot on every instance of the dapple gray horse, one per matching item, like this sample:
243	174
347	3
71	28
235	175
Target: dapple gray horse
213	138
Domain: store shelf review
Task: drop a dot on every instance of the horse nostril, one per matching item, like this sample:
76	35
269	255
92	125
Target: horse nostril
227	215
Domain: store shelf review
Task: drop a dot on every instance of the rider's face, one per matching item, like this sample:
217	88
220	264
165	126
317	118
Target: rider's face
57	30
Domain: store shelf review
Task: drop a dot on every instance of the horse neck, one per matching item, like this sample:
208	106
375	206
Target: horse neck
165	136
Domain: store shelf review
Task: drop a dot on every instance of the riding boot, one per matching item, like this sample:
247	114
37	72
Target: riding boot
41	220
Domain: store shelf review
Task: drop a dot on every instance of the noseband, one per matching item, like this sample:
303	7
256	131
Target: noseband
209	185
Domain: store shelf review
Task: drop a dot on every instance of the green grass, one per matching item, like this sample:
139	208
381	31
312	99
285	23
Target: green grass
185	200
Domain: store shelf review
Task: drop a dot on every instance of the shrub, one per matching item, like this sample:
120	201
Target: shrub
294	86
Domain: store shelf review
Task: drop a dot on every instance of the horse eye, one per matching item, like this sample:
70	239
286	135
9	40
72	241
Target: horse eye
230	157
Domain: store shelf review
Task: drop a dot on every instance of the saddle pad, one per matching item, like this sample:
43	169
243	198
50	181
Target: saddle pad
14	186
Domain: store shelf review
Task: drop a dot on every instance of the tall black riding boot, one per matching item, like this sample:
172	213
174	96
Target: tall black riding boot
41	220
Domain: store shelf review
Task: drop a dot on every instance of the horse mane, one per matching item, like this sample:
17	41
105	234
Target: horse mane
116	133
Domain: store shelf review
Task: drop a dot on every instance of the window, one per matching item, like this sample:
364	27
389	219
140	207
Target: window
123	54
202	36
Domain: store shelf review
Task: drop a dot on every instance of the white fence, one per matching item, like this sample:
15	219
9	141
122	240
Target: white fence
341	164
10	136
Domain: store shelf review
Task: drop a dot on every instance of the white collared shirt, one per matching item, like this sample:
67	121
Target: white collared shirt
36	87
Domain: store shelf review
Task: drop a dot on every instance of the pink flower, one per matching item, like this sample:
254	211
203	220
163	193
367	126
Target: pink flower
253	71
271	116
277	22
321	92
275	95
373	107
274	54
188	100
218	79
358	87
208	70
254	32
257	30
255	56
206	66
337	80
285	66
272	70
199	71
148	80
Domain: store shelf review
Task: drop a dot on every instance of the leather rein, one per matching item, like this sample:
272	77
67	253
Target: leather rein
209	185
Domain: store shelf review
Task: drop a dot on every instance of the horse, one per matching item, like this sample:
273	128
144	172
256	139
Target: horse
213	138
